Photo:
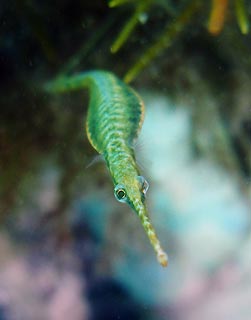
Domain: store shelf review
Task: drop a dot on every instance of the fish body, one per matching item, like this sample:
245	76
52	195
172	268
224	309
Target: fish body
114	119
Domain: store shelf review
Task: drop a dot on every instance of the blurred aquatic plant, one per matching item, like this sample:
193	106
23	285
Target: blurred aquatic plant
164	40
181	16
219	12
139	15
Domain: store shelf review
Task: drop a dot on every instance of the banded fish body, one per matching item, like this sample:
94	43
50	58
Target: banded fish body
114	119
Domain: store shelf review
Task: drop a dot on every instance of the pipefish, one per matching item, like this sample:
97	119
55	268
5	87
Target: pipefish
114	119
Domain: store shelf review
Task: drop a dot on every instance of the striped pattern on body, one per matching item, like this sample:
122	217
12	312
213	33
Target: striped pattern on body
114	119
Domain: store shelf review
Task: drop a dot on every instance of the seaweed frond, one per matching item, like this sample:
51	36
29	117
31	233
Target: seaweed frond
216	22
164	41
218	15
242	16
141	8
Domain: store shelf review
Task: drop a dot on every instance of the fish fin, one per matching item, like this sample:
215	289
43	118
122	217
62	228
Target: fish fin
141	156
96	159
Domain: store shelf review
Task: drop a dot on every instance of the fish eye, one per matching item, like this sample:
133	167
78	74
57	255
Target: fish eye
144	184
120	193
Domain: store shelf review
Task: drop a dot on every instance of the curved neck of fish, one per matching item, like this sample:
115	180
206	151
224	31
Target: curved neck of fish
121	163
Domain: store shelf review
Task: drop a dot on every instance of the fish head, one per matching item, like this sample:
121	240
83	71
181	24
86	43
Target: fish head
133	192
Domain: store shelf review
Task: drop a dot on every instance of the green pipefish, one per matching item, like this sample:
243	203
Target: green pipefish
114	119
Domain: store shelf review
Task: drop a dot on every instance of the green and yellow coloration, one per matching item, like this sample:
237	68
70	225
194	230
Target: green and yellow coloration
114	119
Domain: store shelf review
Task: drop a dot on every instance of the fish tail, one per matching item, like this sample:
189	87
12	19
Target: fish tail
66	84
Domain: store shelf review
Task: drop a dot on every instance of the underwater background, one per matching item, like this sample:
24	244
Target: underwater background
68	249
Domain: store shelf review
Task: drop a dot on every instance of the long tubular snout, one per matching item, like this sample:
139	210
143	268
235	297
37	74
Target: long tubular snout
160	253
